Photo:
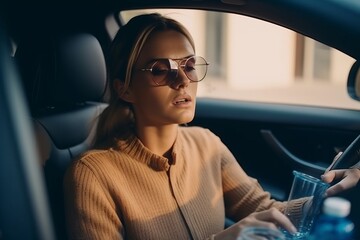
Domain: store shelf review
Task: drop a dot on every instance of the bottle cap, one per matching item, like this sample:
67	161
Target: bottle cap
336	206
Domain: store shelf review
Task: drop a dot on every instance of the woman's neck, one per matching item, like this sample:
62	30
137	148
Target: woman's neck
158	139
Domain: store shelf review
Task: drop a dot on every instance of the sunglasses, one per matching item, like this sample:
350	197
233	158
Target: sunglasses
166	70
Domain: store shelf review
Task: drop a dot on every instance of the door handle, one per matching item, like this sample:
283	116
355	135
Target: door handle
289	157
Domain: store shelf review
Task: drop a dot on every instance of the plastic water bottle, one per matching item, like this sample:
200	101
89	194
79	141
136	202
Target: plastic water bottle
333	224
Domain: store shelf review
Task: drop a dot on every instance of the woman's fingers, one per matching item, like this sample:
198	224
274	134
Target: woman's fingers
330	176
281	220
350	178
275	219
271	218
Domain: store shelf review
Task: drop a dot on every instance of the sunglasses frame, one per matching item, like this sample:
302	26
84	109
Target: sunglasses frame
175	64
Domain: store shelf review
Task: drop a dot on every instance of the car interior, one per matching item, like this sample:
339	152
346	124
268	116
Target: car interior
24	205
69	103
53	87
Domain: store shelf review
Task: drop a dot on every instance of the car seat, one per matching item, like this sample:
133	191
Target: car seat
64	80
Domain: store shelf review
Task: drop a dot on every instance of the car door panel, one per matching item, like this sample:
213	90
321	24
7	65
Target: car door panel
271	140
295	137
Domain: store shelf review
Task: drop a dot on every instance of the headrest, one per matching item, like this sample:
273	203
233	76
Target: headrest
63	72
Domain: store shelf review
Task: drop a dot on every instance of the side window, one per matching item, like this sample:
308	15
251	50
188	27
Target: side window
253	60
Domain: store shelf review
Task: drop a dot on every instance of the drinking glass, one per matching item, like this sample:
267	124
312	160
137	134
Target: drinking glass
305	199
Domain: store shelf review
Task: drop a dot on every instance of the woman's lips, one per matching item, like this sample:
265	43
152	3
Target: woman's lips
182	100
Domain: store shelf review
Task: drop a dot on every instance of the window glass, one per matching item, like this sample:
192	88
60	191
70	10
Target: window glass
253	60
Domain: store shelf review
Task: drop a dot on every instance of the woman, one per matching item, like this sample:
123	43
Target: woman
147	177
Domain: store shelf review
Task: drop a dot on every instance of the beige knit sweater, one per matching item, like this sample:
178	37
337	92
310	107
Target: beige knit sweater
127	192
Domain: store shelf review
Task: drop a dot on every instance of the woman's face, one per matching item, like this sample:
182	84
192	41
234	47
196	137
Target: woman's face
168	104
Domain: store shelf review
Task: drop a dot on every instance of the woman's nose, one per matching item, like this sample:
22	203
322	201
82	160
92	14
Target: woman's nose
182	79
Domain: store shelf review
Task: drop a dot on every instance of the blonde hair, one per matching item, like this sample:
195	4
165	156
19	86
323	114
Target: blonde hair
117	120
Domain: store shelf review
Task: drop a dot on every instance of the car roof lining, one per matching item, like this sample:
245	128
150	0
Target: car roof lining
295	15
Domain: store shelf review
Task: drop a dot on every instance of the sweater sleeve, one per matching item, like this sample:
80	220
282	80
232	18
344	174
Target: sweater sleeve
243	195
90	212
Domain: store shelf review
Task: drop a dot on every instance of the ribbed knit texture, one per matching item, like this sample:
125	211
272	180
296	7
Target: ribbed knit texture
127	192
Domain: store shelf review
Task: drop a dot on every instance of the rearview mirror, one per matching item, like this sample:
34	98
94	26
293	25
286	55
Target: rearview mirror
353	85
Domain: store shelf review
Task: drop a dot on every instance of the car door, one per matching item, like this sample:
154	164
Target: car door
271	140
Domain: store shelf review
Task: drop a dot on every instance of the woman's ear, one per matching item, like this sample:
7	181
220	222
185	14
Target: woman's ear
123	92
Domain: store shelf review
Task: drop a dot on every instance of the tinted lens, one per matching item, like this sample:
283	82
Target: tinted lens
195	68
165	70
162	70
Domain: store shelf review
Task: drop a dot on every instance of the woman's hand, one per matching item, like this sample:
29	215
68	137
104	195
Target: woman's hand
271	218
349	178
